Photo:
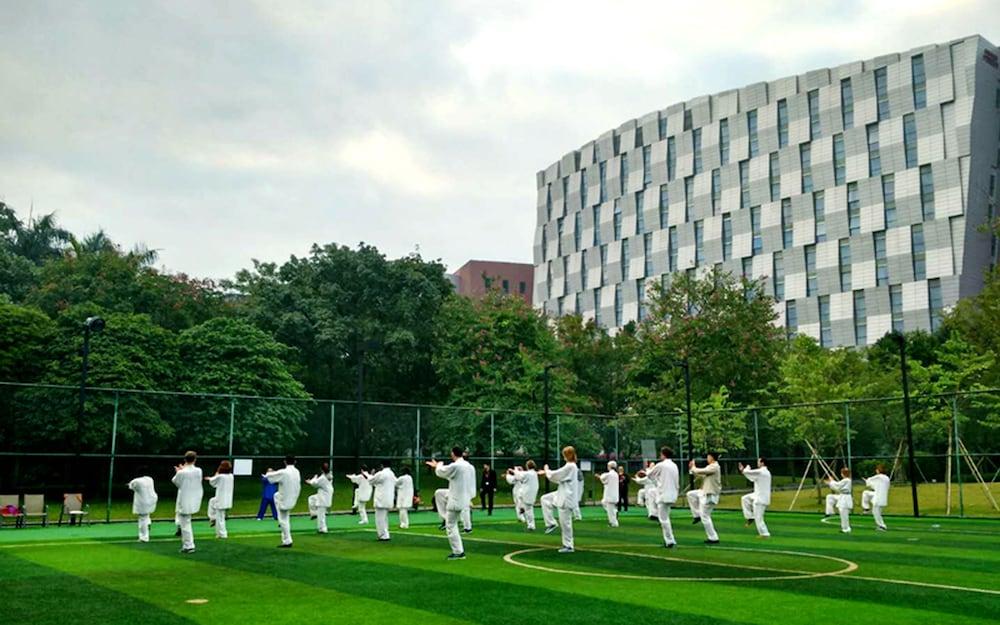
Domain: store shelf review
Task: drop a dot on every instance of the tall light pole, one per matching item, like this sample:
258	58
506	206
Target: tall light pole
362	346
545	418
687	395
91	325
912	463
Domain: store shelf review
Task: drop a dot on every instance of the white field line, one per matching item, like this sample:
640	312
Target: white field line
930	530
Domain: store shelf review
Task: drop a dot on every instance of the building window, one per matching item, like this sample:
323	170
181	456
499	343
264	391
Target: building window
839	159
874	156
787	223
688	197
727	236
812	100
757	242
604	265
936	303
618	305
583	187
853	209
716	190
845	265
548	202
688	120
919	81
846	103
774	176
825	331
882	93
752	132
647	170
640	212
664	206
577	229
860	319
778	270
597	225
565	260
583	270
617	219
597	152
625	259
791	319
699	243
910	140
662	127
647	255
640	290
696	144
810	269
927	192
819	217
565	194
782	123
672	243
545	243
889	199
548	281
896	307
602	172
671	158
559	236
744	184
805	162
919	252
506	285
623	173
597	307
724	141
522	287
576	303
881	261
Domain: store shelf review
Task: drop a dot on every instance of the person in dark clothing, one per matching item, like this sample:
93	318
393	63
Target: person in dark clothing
267	499
622	489
487	488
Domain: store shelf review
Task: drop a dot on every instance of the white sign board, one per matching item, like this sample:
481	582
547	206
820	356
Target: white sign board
243	466
648	449
585	465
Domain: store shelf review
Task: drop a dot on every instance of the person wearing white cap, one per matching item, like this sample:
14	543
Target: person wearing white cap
609	499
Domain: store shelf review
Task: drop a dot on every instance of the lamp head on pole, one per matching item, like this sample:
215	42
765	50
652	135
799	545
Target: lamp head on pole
94	324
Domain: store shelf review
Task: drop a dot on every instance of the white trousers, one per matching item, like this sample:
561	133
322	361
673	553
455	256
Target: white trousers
845	519
441	505
831	505
362	513
612	510
219	516
867	501
565	518
663	511
382	522
187	535
651	505
404	518
285	523
640	497
451	525
319	512
754	511
702	506
144	528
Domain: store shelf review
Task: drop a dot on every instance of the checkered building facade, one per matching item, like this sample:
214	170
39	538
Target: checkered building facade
856	193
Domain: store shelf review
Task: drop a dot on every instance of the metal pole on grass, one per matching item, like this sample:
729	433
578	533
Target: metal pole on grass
545	418
847	426
558	432
618	453
756	435
958	457
416	465
111	464
232	424
492	449
333	408
912	464
684	364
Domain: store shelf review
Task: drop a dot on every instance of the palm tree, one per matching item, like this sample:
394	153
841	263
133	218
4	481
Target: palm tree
38	240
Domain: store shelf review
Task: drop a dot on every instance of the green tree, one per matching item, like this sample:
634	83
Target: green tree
38	240
25	341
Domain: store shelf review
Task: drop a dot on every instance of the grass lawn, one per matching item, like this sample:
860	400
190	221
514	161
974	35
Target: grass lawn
921	571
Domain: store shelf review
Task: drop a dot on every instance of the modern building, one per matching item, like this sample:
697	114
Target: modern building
856	193
476	277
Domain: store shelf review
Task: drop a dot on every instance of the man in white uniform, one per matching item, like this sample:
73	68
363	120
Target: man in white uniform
527	488
321	501
219	505
362	494
404	497
187	479
703	500
878	497
441	505
384	482
666	478
844	499
563	499
143	503
647	495
578	510
461	478
609	499
755	503
289	485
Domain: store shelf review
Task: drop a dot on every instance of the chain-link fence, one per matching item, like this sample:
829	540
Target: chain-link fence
53	442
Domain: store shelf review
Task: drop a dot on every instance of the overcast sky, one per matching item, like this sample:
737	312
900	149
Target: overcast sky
218	132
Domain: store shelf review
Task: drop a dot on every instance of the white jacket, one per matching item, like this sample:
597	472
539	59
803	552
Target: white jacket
404	492
189	489
666	477
761	479
880	484
461	478
516	487
323	483
384	482
528	483
565	477
610	481
223	485
289	486
364	493
842	488
144	500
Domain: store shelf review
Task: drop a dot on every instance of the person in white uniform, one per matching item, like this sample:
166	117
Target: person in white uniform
404	496
878	497
666	477
563	499
289	486
609	498
461	478
143	503
384	483
578	510
441	505
187	479
322	499
515	491
362	494
526	490
844	499
647	495
702	501
220	505
755	504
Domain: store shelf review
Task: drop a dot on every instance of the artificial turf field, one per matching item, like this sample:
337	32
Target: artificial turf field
921	571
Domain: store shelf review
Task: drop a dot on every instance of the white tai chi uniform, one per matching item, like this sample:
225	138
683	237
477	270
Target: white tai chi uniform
441	505
515	494
143	503
877	498
667	479
219	505
289	485
844	502
577	511
609	499
647	495
461	478
362	495
404	499
563	499
189	494
384	482
755	503
321	501
703	500
527	482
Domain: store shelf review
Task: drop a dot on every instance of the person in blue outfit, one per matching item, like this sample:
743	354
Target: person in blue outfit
267	499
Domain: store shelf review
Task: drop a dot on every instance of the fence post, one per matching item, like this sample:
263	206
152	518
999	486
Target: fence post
232	423
958	457
492	448
333	413
111	464
416	468
756	434
558	436
847	425
618	453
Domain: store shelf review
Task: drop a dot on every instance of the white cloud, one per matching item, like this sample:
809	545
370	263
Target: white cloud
389	159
